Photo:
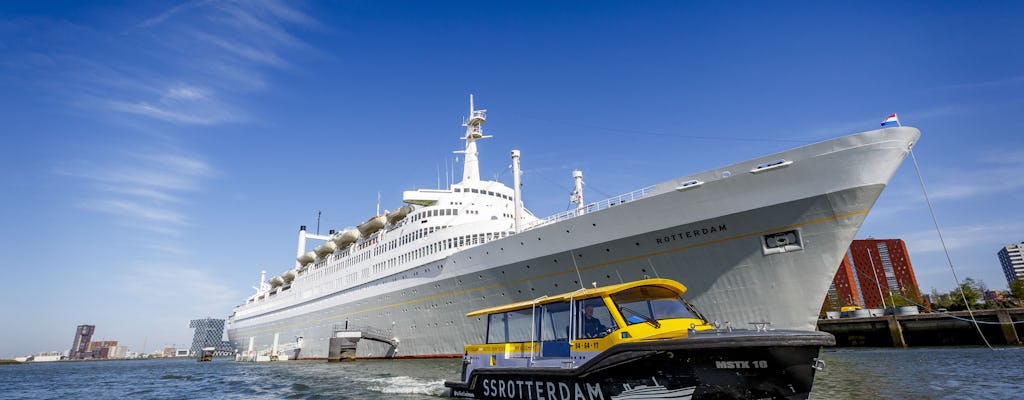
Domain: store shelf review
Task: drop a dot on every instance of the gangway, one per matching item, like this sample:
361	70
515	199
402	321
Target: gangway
343	343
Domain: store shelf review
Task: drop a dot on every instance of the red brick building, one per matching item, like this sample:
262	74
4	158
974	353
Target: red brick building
872	270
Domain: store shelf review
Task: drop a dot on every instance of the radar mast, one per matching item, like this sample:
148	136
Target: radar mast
474	131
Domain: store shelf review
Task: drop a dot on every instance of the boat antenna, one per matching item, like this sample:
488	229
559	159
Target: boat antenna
378	204
577	267
317	222
656	275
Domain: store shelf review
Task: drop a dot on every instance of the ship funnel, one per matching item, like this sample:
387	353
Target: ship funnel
302	245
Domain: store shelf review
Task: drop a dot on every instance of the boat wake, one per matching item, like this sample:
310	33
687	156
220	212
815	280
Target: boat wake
407	385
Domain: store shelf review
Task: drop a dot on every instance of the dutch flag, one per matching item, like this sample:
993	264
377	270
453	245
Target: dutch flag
892	120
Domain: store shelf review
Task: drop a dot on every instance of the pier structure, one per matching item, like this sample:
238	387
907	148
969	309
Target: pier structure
1000	327
343	343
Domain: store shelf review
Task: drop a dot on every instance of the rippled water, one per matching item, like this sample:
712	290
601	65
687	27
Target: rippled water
933	373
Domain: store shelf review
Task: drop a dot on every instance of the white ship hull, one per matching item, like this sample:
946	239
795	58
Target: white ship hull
710	236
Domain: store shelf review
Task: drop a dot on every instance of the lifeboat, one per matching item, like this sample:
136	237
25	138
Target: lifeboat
289	276
325	249
276	281
399	214
306	258
372	225
346	237
636	340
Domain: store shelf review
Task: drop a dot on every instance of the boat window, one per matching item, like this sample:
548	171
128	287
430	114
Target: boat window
644	303
510	327
555	322
457	190
595	321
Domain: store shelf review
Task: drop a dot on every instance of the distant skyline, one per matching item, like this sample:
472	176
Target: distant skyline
157	156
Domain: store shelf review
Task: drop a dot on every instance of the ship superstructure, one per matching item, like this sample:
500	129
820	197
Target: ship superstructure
757	241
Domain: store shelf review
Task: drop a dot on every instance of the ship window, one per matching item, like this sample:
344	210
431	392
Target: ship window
490	193
457	190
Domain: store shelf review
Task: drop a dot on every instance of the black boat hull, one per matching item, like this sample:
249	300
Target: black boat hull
726	365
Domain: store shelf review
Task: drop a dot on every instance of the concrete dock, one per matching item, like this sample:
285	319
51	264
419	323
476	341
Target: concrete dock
930	329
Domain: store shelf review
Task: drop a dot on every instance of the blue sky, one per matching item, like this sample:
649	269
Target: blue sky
156	156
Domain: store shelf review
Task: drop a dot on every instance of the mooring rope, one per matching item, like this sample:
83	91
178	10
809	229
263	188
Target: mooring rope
946	250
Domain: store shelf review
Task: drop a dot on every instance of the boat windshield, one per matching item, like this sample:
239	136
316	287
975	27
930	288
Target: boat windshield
650	304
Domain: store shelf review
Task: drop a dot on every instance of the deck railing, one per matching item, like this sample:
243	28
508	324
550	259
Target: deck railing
592	207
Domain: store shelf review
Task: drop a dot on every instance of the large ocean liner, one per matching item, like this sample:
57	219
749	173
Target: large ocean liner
756	242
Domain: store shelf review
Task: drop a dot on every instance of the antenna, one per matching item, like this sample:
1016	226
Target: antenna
317	222
378	204
652	268
577	267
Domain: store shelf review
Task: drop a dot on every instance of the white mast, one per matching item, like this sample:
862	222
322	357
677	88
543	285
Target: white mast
517	203
577	195
474	131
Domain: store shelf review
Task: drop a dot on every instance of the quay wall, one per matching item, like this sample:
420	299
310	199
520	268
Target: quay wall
1000	327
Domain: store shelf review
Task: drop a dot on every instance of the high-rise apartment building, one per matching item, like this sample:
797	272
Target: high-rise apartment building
872	271
80	347
209	332
1012	259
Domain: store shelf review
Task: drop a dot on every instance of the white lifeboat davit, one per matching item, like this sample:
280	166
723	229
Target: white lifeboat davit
372	225
306	258
399	214
276	281
346	237
325	249
289	276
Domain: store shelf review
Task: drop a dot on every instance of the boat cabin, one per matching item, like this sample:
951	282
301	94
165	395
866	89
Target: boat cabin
568	329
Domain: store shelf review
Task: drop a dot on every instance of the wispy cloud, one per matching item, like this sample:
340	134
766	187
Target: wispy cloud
215	53
960	237
192	292
1013	80
134	209
143	189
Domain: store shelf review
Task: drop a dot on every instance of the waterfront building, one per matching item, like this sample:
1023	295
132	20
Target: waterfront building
1012	259
46	356
873	271
209	333
101	344
80	347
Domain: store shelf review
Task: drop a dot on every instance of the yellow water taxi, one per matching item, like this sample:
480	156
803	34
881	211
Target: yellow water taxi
635	340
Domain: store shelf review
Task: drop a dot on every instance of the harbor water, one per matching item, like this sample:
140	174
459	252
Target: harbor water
920	373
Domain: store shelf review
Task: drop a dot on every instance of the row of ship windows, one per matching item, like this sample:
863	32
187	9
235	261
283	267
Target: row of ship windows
351	278
435	213
451	243
487	192
407	238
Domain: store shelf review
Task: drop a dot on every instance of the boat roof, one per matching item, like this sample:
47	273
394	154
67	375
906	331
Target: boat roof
582	294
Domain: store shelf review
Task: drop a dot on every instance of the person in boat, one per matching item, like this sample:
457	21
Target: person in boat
592	326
